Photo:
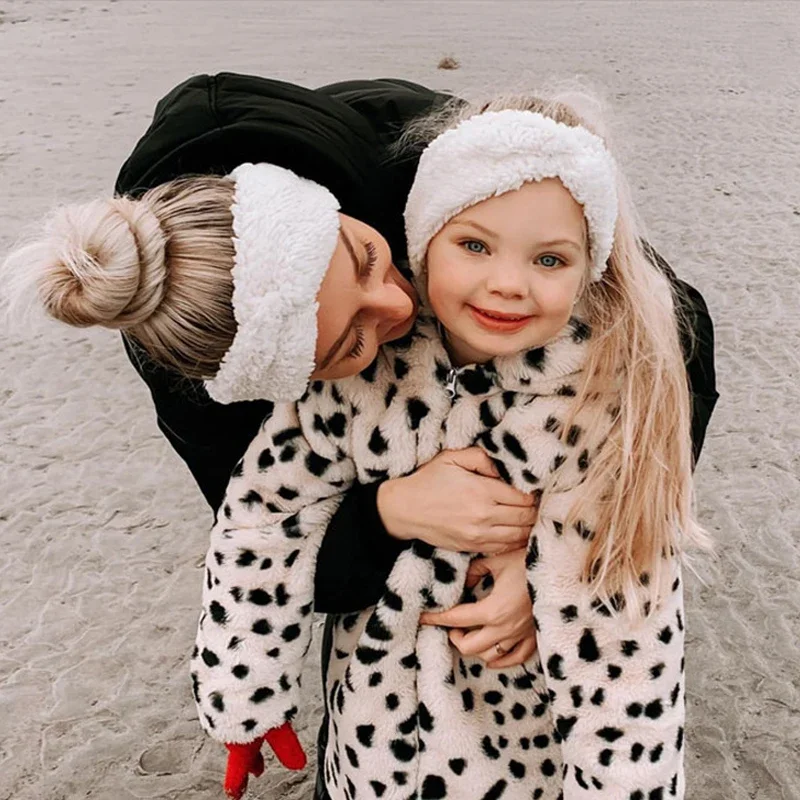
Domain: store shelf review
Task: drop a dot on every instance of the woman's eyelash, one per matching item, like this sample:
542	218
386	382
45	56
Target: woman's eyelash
372	258
358	348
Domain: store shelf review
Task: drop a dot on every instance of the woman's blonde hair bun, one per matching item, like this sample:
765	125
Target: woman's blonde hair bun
157	267
102	263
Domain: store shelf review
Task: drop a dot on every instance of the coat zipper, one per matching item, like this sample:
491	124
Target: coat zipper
452	384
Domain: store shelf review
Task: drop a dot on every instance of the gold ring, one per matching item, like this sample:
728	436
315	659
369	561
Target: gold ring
501	651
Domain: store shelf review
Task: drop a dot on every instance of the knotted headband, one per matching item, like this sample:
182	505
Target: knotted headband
496	152
285	232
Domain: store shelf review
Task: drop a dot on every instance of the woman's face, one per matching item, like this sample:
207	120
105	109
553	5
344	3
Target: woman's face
504	274
363	302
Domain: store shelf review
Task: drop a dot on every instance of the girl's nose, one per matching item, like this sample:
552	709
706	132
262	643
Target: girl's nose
508	279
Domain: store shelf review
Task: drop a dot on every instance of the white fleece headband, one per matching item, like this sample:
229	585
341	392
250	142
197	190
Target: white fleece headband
285	232
496	152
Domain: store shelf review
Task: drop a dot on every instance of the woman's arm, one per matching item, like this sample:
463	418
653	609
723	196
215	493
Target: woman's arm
356	555
455	502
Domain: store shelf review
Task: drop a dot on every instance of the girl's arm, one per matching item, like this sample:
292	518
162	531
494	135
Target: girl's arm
614	681
258	593
615	686
357	551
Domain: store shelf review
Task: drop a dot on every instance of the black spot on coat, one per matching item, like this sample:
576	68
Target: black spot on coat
417	410
587	647
564	726
377	444
317	464
402	750
265	460
364	734
555	665
513	445
369	655
535	358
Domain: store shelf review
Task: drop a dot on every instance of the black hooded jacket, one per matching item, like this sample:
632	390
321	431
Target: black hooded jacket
339	136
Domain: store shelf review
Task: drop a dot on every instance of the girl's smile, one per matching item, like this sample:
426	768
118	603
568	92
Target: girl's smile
498	320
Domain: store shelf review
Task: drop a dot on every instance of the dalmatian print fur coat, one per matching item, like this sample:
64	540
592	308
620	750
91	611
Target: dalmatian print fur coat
598	711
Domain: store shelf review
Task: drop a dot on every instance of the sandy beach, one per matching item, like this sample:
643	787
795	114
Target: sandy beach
103	531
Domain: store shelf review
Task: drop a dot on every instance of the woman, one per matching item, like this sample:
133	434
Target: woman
146	266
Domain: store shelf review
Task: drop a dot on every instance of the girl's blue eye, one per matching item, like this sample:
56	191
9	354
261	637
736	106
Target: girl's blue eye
474	246
550	261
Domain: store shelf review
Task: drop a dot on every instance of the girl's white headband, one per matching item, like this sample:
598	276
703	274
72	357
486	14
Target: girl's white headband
497	152
285	230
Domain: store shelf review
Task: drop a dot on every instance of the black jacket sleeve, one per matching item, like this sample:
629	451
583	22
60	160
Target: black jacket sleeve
356	555
697	340
209	437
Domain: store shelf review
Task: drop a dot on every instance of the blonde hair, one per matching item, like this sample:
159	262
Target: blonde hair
157	268
640	482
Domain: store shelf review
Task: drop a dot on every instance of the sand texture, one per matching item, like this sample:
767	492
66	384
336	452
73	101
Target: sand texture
103	532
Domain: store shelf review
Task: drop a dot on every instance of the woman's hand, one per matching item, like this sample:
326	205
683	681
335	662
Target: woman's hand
504	617
457	501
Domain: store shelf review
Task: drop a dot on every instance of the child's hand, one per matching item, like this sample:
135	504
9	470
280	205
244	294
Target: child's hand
504	617
246	759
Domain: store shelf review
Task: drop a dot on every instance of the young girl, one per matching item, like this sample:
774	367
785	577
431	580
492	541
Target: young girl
553	347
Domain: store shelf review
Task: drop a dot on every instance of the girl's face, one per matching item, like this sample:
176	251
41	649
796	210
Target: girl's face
504	274
363	302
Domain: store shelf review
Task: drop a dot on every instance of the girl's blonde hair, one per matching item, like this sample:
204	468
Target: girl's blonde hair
641	480
157	268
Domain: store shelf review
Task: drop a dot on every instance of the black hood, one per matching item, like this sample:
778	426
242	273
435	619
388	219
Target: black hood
336	136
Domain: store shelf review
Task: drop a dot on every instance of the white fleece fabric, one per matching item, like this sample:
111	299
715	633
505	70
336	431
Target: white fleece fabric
285	233
598	711
497	152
